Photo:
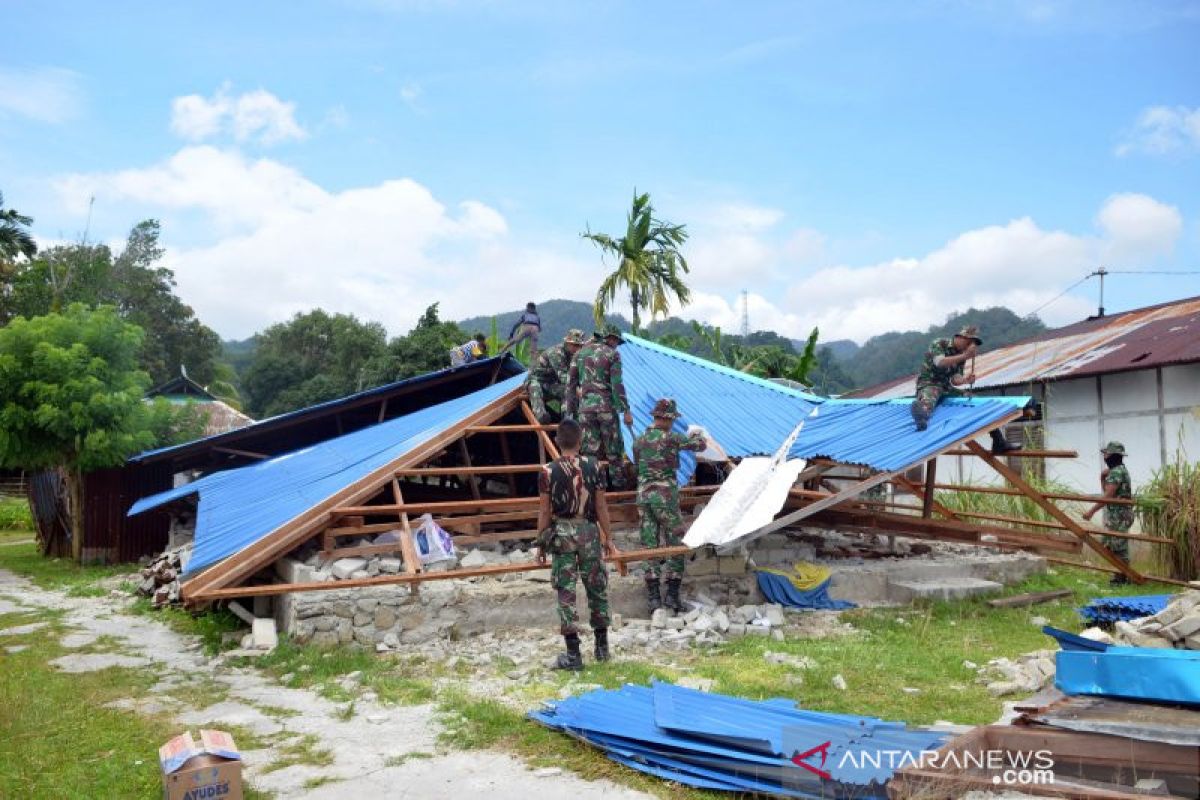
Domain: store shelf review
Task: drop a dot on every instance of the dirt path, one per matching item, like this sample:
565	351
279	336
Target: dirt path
382	750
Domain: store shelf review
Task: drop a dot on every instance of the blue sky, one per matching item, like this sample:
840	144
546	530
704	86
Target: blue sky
861	166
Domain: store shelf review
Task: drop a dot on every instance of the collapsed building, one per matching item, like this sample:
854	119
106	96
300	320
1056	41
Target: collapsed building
331	509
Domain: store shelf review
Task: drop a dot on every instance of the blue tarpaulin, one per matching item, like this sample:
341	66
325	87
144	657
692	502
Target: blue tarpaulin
778	589
715	741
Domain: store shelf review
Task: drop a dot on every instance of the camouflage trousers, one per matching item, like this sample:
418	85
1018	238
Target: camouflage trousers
928	396
578	556
662	526
529	332
546	401
602	441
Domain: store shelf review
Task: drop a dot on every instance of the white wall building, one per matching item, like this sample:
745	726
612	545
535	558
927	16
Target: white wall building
1133	377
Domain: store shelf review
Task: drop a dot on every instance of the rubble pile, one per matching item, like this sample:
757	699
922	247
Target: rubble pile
307	566
1025	674
160	578
1176	626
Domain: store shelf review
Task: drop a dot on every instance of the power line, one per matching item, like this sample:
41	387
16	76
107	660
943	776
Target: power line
1102	272
1060	295
1154	272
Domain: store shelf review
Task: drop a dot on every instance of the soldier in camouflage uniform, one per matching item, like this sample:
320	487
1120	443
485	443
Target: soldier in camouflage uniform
656	453
942	373
574	525
1117	517
595	396
547	382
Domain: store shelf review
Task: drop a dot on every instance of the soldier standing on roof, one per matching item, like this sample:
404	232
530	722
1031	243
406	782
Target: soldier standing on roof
656	453
547	382
575	531
595	396
1117	517
942	372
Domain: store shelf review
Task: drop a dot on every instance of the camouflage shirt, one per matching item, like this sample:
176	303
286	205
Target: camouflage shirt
594	383
933	375
551	366
1119	517
657	455
571	482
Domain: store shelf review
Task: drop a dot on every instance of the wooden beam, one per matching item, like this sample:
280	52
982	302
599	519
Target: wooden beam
506	454
1029	598
465	454
1066	562
927	502
957	530
1081	498
497	536
1023	453
500	469
1041	523
408	545
279	541
233	451
543	437
496	516
1053	510
530	428
389	580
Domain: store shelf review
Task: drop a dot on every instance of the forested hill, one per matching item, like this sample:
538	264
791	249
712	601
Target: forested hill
558	317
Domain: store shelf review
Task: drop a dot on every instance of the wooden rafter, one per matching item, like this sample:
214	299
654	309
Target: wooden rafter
278	542
1042	501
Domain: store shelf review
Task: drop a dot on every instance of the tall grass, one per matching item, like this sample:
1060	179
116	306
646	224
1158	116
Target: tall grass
1011	505
1170	507
14	514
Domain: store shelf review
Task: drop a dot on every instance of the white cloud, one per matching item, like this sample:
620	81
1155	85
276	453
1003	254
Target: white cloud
43	94
1019	265
1163	130
252	116
743	245
411	93
278	243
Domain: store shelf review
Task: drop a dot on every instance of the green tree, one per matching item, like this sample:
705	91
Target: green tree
71	398
133	282
15	238
423	349
648	264
311	358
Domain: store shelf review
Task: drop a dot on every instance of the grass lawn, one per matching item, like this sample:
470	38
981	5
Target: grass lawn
44	714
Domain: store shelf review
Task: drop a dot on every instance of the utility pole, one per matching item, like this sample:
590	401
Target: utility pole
1101	272
745	315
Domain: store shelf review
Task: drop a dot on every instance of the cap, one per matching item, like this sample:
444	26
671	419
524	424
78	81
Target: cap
665	408
1113	448
970	332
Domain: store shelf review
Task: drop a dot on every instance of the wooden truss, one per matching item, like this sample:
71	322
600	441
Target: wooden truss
477	480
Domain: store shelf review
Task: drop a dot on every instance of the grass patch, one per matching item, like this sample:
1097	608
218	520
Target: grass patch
200	691
320	780
78	580
307	666
57	738
301	750
15	515
210	626
278	712
17	535
404	758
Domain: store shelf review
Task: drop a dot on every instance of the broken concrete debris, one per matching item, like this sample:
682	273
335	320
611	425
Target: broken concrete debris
1025	674
160	578
1176	626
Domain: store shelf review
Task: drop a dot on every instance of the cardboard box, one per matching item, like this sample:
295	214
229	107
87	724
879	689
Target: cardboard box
211	770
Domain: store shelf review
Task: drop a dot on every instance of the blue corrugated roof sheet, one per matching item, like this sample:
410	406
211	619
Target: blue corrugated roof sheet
1117	609
239	506
717	741
751	416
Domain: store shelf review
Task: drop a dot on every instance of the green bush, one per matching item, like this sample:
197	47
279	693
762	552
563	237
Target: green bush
14	515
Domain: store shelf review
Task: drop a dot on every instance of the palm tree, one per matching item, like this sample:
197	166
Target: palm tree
15	240
648	263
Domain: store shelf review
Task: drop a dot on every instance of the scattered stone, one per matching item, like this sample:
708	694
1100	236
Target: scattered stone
547	772
970	665
839	683
697	683
659	618
377	719
16	648
160	578
344	568
910	690
263	634
391	566
1177	625
773	614
676	623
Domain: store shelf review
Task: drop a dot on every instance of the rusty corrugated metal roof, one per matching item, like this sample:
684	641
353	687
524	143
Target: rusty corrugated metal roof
1138	339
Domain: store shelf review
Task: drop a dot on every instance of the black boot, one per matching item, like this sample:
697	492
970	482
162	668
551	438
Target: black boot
601	652
572	659
673	601
1000	445
1120	579
653	598
920	416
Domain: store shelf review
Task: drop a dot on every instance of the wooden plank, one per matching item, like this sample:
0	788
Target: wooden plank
953	529
408	545
499	469
1109	570
506	454
1082	498
465	454
386	549
1041	523
1053	510
497	536
283	538
516	428
389	580
1023	453
496	516
543	437
1029	599
382	410
927	502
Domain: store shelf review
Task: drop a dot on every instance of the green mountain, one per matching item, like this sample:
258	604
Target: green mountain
558	317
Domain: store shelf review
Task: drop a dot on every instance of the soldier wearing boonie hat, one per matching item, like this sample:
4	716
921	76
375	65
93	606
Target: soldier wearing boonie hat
656	454
596	398
548	375
1115	480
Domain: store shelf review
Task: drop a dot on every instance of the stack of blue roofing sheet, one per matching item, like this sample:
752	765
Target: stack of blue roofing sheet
714	741
1150	674
1118	609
